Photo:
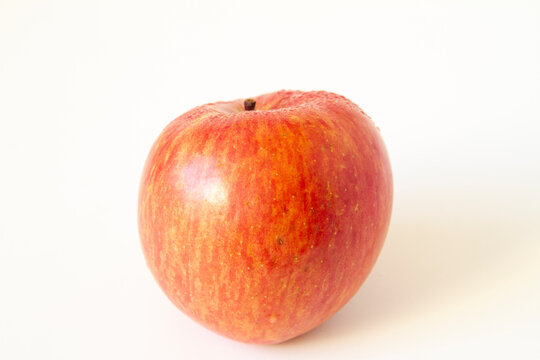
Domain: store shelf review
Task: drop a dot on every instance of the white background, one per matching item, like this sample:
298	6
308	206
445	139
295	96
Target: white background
86	87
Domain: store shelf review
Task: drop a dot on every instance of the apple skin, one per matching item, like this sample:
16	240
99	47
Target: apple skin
260	225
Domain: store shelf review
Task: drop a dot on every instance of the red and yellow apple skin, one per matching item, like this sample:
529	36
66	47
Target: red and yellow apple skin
262	224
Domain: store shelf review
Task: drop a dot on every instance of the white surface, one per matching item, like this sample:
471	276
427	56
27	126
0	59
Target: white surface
86	86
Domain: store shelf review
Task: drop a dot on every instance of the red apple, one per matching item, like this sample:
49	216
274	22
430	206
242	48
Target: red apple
261	218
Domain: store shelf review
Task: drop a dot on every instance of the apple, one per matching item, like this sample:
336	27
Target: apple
261	218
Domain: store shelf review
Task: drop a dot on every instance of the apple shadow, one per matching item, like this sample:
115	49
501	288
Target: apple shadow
435	254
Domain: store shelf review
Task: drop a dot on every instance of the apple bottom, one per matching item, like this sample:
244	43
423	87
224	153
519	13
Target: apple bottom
265	305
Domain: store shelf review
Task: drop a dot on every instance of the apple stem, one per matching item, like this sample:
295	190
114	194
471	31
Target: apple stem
249	104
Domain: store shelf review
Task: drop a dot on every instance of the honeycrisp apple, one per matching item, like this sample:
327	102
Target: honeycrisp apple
261	218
